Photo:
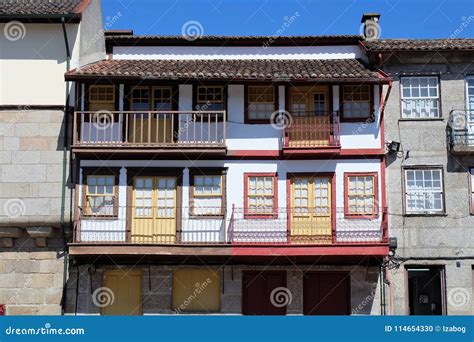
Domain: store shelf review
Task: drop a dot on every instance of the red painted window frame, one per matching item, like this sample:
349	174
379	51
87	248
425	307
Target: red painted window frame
349	215
274	175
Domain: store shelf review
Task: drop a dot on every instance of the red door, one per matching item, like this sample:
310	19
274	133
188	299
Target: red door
327	293
257	288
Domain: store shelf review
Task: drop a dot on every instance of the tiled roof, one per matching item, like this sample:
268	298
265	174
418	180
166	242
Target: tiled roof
251	69
38	7
419	44
219	37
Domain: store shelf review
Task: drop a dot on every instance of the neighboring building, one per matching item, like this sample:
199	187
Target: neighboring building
39	41
193	193
430	181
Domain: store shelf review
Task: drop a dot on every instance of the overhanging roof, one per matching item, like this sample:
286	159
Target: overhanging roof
323	70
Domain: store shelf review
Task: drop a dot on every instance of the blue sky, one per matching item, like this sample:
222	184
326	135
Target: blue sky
400	18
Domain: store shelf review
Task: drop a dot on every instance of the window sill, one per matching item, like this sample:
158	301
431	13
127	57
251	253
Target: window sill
426	215
421	119
98	218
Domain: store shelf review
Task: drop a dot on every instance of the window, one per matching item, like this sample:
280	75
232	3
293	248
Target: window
210	98
356	102
261	102
260	194
207	194
196	290
100	196
420	97
424	191
140	99
361	194
102	93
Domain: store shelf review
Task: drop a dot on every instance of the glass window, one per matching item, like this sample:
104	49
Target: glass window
140	99
207	197
210	98
260	195
102	94
261	102
162	98
424	191
100	196
361	195
420	97
356	102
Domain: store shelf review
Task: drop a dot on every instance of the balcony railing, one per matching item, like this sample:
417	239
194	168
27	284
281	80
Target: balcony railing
181	129
310	129
238	226
461	130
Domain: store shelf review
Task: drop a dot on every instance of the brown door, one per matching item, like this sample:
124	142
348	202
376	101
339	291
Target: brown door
257	290
326	293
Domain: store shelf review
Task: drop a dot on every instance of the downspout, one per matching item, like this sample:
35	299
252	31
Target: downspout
64	179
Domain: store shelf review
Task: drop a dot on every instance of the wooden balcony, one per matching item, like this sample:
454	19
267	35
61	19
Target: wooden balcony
312	133
150	131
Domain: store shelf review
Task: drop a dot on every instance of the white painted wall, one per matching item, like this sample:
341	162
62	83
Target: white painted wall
217	230
228	52
32	69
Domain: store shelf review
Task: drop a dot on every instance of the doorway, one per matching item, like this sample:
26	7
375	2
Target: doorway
426	290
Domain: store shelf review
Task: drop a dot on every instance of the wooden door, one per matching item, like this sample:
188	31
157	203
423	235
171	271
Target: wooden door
202	285
257	287
309	107
126	289
311	210
326	293
154	210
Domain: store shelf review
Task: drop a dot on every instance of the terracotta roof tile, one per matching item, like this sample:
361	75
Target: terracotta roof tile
419	44
38	7
247	69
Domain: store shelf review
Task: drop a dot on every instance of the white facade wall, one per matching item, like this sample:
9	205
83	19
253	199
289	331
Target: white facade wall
216	230
228	52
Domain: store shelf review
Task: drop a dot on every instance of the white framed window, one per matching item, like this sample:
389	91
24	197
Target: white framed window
260	194
100	196
420	97
361	194
207	195
261	102
424	192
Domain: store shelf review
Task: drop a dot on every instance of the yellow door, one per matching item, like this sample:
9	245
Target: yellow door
154	210
125	293
196	290
311	214
309	107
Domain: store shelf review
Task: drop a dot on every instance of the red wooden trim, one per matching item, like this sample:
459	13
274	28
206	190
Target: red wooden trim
275	194
288	207
381	118
382	181
314	250
253	153
346	195
362	151
82	6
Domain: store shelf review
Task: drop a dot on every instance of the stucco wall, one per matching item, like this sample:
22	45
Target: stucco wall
425	143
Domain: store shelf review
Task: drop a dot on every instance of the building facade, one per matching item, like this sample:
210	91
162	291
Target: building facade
429	179
40	41
224	175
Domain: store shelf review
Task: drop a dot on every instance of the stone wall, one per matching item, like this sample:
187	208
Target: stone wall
31	278
31	167
157	288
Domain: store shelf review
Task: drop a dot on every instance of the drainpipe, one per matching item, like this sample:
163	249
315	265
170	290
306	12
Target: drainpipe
64	178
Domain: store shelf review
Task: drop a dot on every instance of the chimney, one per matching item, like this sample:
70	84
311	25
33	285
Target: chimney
370	27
